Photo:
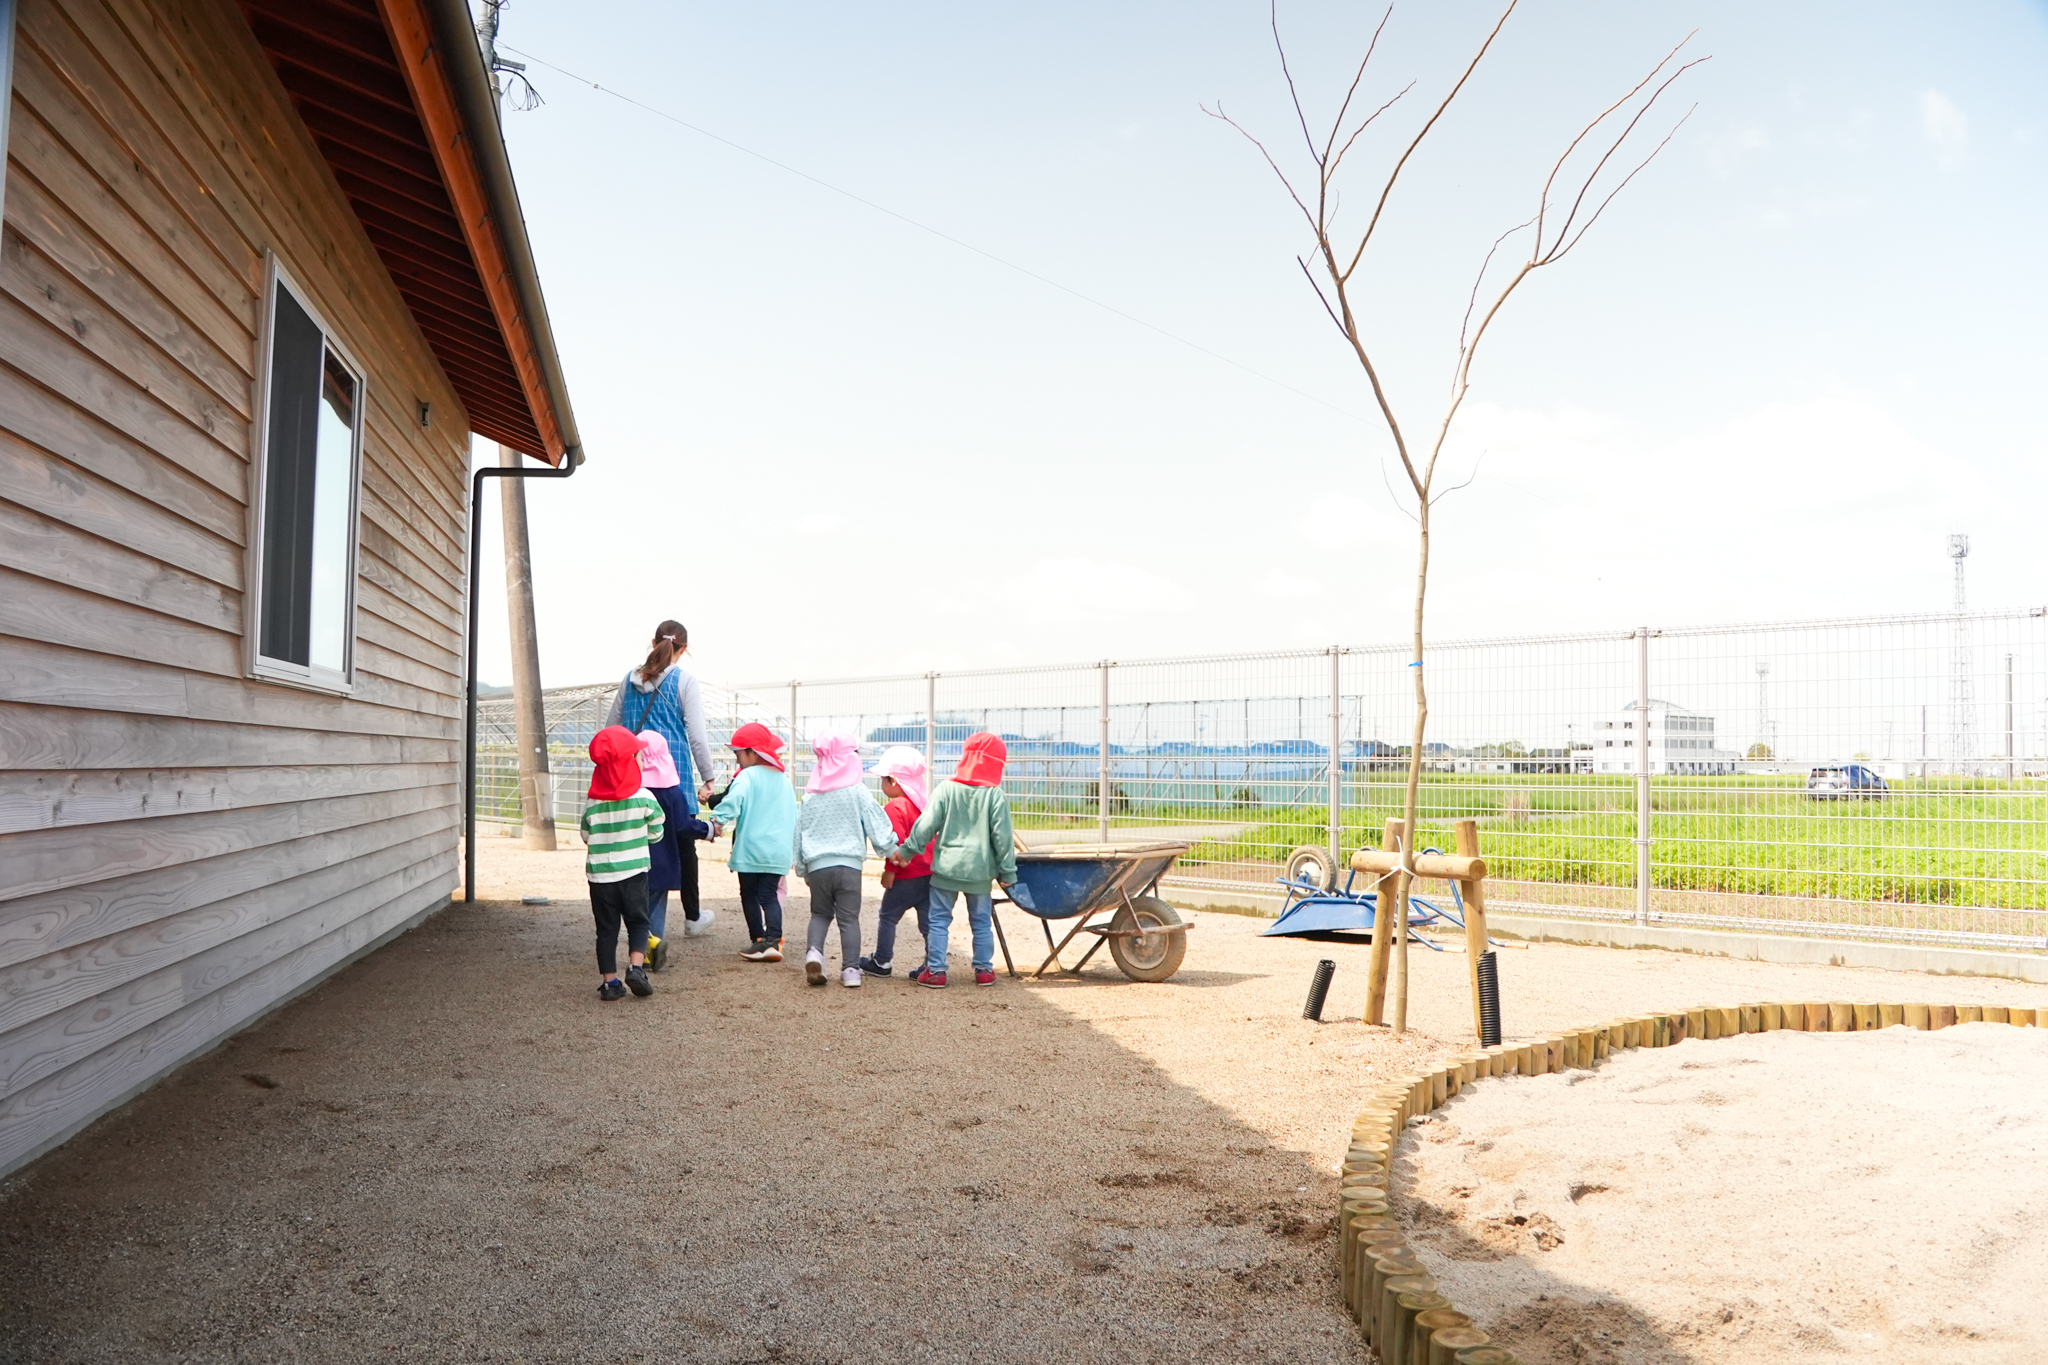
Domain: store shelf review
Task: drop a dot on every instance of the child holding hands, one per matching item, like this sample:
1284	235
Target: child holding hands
619	822
969	820
909	887
760	809
835	825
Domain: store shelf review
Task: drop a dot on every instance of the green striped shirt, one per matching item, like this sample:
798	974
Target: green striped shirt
616	835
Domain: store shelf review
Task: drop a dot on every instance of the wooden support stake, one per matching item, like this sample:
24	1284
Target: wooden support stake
1696	1025
1841	1017
1794	1016
1731	1020
1888	1015
1995	1014
1475	915
1410	1336
1969	1014
1427	1325
1941	1016
1382	936
1866	1018
1816	1016
2027	1018
1603	1042
1752	1018
1770	1017
1915	1016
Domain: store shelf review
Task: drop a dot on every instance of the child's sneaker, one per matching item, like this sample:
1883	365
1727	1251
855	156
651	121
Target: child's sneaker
925	976
637	982
657	953
850	977
700	926
758	951
771	950
613	989
984	977
874	968
814	967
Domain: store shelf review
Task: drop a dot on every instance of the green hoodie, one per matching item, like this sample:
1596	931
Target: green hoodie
976	845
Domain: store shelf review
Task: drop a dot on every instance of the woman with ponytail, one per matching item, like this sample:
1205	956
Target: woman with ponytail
663	696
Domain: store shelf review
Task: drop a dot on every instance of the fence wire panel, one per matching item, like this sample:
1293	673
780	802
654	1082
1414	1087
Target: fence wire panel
1883	777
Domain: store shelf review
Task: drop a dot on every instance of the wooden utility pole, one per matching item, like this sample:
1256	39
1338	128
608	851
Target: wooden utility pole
536	786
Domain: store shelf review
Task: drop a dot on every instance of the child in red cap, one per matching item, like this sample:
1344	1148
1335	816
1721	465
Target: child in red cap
969	818
760	809
619	822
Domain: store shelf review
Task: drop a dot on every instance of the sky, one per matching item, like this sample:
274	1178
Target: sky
1797	352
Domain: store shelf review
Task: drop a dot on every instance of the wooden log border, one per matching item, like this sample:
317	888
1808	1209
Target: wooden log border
1370	1237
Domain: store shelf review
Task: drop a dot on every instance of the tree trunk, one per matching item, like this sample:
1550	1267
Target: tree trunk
1409	813
536	788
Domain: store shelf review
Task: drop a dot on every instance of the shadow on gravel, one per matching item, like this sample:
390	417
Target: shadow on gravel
453	1151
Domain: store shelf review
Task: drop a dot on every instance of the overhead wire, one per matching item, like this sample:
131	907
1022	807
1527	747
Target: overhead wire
939	233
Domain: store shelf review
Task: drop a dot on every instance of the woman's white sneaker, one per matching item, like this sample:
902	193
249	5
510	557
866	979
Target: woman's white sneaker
700	926
850	977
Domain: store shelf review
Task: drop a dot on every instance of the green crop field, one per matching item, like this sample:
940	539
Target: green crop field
1976	843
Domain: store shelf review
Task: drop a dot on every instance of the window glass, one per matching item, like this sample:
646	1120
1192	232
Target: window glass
333	500
312	429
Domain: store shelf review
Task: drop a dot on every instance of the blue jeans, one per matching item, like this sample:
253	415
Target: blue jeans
980	914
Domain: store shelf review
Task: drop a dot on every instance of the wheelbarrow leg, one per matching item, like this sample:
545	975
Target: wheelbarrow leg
1003	939
1060	946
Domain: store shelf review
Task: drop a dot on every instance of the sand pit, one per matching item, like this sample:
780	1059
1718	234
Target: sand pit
1775	1196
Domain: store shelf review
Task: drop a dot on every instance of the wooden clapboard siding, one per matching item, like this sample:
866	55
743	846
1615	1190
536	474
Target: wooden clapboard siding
105	909
183	846
49	548
51	800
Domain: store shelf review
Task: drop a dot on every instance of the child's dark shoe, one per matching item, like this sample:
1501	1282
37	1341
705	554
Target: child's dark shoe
984	978
613	989
657	953
756	950
637	982
871	967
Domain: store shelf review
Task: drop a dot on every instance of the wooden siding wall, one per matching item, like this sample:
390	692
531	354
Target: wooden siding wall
181	846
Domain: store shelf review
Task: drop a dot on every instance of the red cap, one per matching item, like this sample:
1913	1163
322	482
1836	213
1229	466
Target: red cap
762	740
981	761
615	751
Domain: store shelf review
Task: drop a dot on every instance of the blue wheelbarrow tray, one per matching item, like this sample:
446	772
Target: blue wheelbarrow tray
1311	911
1081	880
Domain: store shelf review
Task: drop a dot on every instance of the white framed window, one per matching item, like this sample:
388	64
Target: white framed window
309	437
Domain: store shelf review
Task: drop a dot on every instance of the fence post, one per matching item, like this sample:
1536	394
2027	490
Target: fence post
1336	760
2011	754
791	763
1643	776
1102	762
931	727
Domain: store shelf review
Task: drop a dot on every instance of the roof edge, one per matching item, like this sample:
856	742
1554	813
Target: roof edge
472	101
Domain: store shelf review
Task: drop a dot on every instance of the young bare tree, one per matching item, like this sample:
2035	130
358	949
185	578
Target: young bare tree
1582	182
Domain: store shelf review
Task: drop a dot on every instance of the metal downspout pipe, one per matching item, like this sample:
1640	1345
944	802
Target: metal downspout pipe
572	459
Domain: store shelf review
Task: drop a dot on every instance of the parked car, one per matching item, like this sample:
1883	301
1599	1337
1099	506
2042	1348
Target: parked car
1842	781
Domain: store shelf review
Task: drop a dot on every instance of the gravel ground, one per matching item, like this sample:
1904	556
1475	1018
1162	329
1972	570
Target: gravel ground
1771	1197
453	1151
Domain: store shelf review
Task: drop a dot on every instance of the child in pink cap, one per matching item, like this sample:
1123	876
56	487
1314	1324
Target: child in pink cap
902	770
674	855
836	825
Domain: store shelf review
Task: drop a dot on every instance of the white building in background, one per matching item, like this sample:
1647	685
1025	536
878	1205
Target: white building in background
1681	743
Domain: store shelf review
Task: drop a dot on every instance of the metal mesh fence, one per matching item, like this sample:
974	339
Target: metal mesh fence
1877	776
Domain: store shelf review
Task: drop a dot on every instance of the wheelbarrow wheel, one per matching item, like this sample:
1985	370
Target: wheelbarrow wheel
1148	957
1312	865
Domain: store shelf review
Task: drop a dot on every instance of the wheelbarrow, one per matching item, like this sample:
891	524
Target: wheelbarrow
1110	891
1317	908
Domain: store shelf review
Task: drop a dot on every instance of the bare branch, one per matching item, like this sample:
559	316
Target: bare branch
1543	201
1218	114
1470	480
1559	253
1337	123
1395	174
1586	187
1473	300
1330	166
1273	18
1394	497
1321	297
